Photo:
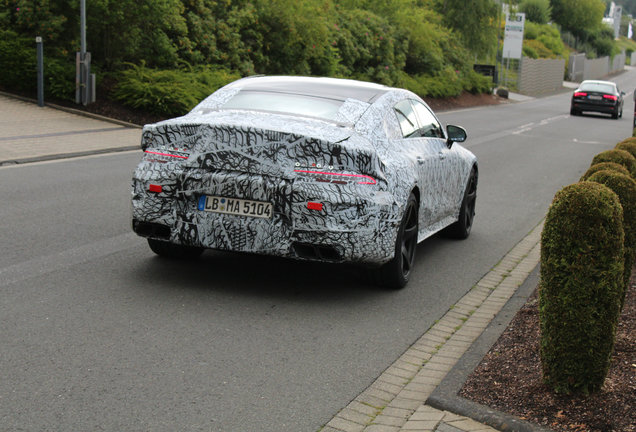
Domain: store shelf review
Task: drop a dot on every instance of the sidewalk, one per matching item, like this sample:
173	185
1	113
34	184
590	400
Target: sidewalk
30	133
417	393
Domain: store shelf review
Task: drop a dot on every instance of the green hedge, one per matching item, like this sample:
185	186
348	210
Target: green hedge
168	92
581	286
447	83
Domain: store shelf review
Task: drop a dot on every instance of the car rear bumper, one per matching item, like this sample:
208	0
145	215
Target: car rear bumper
601	108
354	223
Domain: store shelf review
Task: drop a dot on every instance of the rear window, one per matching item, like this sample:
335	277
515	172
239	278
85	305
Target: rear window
285	103
598	87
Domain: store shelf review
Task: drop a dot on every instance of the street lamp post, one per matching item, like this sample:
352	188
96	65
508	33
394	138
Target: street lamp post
84	80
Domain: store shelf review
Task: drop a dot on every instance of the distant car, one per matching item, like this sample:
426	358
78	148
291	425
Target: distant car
597	96
307	168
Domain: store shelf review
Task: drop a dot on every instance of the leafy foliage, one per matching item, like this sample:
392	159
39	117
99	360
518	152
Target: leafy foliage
604	166
172	92
619	156
578	16
18	58
428	45
625	188
537	11
581	285
476	24
628	145
543	41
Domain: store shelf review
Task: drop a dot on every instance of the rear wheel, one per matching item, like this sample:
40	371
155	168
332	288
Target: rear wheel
171	250
395	274
461	228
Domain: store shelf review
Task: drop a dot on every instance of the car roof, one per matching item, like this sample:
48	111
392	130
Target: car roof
333	88
598	82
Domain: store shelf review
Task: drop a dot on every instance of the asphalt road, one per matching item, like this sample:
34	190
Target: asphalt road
99	334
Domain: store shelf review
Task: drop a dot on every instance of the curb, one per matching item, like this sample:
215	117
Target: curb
51	157
397	400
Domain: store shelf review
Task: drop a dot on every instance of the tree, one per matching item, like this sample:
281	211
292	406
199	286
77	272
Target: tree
538	11
222	32
579	17
135	30
477	24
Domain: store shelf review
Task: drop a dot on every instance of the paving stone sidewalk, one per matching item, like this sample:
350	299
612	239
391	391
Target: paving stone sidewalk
30	133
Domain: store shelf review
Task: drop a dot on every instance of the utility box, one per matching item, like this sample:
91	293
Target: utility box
85	88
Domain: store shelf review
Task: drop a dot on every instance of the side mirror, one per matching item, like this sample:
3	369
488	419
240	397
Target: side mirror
455	134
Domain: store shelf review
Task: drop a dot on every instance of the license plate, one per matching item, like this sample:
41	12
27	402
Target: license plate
235	206
595	97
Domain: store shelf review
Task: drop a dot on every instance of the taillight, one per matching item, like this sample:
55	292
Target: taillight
155	188
580	94
337	177
611	97
314	206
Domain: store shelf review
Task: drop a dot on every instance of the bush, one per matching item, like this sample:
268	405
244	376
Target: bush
535	49
168	92
621	157
628	145
543	40
580	288
625	188
613	166
447	83
18	60
59	79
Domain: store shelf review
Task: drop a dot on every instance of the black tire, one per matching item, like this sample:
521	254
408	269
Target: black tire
573	111
395	274
175	251
461	228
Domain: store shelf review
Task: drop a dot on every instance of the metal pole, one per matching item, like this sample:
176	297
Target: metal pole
83	82
40	60
83	27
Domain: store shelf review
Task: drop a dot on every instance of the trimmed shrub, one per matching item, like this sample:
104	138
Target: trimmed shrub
620	157
581	284
625	188
604	166
629	145
168	92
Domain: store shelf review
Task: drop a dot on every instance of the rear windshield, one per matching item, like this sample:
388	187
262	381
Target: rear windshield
285	103
598	87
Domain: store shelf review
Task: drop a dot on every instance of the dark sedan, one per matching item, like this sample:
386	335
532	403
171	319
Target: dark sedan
598	96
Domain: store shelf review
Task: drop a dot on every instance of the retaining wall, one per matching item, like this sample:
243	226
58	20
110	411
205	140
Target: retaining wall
540	76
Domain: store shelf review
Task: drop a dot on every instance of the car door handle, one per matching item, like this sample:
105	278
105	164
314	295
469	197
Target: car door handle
420	160
441	155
